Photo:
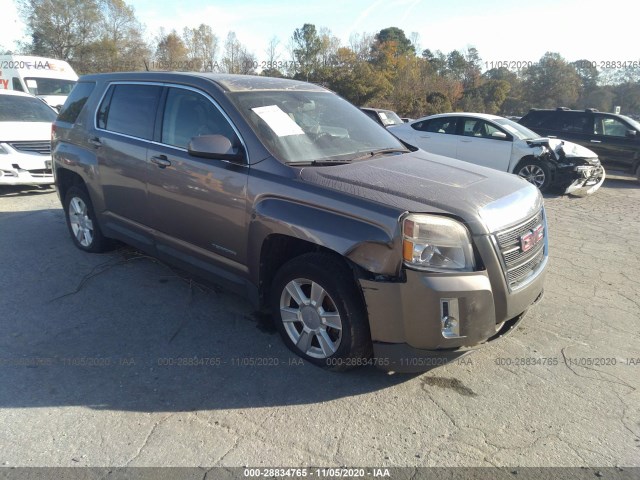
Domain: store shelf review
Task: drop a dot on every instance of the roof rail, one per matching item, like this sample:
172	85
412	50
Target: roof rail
591	110
562	109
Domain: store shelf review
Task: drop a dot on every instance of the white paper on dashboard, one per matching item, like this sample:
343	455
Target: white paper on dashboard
278	121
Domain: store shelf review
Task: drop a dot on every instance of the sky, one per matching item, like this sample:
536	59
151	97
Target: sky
501	30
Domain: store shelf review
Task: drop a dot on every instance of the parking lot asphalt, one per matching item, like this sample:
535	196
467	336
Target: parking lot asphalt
118	360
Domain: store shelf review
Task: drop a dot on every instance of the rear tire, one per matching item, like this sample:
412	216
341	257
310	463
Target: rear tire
536	173
320	313
638	173
82	222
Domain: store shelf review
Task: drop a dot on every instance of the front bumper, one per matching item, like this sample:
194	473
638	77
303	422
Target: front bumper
25	169
589	180
408	318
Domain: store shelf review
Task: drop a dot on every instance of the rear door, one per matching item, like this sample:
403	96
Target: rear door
125	124
198	206
479	144
437	135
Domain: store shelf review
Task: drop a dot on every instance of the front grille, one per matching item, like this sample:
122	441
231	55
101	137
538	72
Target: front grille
520	266
42	172
40	147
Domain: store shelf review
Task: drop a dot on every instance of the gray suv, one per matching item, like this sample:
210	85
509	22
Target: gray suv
365	252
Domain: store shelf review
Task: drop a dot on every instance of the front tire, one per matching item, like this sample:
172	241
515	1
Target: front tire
319	312
536	173
82	223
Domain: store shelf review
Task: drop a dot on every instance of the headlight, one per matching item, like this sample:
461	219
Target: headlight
436	243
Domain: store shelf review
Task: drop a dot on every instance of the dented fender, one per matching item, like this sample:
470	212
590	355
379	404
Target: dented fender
373	247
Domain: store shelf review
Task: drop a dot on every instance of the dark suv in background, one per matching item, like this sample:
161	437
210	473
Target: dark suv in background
615	138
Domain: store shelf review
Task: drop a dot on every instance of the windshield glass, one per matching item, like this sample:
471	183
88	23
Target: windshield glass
16	108
632	122
302	127
49	86
515	129
390	118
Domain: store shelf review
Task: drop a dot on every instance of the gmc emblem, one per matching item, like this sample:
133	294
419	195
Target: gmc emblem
531	238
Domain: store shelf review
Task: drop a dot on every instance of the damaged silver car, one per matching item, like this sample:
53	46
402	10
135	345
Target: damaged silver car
502	144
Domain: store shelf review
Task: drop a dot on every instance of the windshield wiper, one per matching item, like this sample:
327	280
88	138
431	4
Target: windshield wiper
380	151
319	163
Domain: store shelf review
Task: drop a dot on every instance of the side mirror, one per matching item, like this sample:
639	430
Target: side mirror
499	135
631	133
216	147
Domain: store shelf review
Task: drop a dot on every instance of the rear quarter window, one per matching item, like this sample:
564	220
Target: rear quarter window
76	101
130	109
539	119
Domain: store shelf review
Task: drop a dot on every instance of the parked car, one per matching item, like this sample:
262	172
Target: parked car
25	139
287	193
383	117
500	143
615	138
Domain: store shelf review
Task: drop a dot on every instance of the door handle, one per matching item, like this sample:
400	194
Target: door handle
464	140
596	141
161	161
425	136
95	141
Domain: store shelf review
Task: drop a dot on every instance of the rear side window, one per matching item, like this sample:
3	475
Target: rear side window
130	109
571	122
438	125
189	114
75	101
537	119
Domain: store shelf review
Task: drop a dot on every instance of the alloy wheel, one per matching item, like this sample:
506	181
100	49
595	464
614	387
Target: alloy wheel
311	318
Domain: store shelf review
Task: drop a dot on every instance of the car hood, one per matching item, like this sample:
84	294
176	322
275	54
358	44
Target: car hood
25	131
487	200
54	100
570	149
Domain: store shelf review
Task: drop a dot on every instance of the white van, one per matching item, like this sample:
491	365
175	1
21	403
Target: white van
47	78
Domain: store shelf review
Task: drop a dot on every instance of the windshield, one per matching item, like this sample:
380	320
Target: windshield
632	122
515	129
49	86
16	108
390	118
303	127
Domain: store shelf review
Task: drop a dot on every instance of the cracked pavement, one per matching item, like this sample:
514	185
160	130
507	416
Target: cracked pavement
88	340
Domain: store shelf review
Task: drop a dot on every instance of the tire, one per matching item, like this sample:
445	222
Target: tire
320	313
82	223
638	173
536	173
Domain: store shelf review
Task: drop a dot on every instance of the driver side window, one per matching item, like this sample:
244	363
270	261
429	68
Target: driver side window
188	114
610	127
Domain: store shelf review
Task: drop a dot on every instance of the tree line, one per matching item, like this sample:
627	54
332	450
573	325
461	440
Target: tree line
385	69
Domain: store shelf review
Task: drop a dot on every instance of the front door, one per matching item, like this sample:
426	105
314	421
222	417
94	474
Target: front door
198	205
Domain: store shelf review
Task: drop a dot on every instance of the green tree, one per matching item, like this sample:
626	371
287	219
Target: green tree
551	82
307	45
61	28
396	35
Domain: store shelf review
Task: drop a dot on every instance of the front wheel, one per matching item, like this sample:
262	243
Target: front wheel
320	313
536	173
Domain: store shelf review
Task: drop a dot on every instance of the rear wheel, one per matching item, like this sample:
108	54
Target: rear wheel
638	173
536	173
81	220
319	312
